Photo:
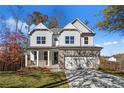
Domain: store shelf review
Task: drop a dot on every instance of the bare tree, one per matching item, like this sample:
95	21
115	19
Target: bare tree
52	22
37	17
17	14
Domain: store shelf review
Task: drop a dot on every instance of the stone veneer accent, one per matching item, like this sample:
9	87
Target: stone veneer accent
61	58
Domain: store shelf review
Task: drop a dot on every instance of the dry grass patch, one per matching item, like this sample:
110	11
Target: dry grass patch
33	77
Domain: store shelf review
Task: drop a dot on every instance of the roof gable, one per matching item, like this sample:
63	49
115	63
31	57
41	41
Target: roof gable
38	27
81	26
69	26
75	25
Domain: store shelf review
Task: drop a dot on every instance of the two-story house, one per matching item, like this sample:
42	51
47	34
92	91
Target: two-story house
65	48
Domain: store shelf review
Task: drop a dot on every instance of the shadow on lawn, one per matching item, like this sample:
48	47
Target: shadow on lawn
61	82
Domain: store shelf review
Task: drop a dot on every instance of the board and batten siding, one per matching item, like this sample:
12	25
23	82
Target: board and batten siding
76	35
47	34
80	27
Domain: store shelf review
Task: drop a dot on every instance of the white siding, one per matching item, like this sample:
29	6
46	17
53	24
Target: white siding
90	41
78	41
47	34
69	26
55	43
112	59
76	35
81	28
32	55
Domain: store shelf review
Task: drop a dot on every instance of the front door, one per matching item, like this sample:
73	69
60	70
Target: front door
55	58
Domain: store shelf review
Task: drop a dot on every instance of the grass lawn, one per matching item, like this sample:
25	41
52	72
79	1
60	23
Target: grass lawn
36	79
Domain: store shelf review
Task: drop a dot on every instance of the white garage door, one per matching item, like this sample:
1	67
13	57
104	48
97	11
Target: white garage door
81	62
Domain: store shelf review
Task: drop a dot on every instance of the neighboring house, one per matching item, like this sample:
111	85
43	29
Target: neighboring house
69	47
112	59
116	59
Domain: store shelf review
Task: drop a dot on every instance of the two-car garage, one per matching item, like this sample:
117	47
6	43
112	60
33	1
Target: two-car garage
79	57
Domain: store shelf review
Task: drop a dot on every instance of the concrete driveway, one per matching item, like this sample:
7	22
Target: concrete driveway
89	78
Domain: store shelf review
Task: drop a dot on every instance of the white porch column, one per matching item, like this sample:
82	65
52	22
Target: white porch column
37	58
26	59
31	56
48	58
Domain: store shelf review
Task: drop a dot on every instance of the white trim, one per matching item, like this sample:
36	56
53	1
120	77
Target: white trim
69	26
26	60
37	58
39	26
48	58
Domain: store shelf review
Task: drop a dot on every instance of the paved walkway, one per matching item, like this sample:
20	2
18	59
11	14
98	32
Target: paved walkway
87	78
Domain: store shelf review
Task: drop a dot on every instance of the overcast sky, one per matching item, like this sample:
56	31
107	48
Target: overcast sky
112	43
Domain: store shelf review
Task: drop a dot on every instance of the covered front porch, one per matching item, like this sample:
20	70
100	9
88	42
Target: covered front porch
41	58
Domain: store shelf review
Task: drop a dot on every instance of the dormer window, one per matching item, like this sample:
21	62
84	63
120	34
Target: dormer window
41	40
85	40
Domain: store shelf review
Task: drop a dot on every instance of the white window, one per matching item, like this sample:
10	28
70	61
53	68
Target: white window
41	40
69	39
85	40
38	40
